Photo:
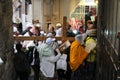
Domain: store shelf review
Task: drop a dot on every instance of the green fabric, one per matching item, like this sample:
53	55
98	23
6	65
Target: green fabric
45	50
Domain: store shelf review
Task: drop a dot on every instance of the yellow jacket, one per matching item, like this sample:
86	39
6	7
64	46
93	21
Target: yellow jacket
77	55
91	56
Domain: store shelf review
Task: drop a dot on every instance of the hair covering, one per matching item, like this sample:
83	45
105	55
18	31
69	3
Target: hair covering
58	24
45	50
81	38
38	25
50	40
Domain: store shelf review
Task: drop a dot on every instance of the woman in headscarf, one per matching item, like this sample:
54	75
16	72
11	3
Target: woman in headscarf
78	54
47	59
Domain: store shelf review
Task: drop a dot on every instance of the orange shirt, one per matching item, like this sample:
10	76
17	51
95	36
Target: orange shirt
77	55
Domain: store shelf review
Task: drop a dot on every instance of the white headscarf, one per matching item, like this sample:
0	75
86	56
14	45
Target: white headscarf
45	50
81	38
49	41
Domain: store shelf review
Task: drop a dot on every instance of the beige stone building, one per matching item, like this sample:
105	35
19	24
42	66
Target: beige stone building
51	11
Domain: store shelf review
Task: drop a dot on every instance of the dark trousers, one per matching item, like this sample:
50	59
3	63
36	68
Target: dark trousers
68	72
36	72
90	68
78	74
61	74
23	75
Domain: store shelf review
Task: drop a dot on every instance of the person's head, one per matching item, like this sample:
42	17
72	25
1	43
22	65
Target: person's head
30	32
37	25
37	31
92	32
19	47
68	27
58	25
80	24
90	24
51	27
15	25
20	27
90	13
50	41
81	38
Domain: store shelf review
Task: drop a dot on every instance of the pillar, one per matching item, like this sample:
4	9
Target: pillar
29	13
23	19
6	40
38	11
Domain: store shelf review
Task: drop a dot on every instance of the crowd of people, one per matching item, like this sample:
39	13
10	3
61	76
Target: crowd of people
43	57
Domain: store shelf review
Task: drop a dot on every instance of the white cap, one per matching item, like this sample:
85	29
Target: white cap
58	24
38	25
49	40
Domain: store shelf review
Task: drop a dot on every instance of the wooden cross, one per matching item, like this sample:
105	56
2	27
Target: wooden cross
63	38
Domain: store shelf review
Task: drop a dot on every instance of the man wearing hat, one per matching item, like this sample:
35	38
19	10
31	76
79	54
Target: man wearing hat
58	30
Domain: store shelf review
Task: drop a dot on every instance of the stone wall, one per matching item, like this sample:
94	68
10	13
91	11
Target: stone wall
6	40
